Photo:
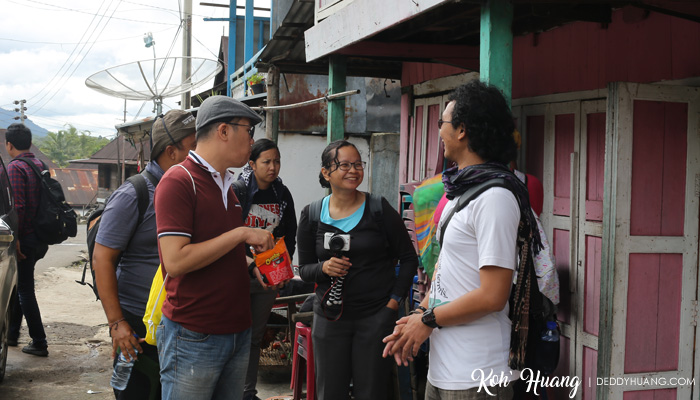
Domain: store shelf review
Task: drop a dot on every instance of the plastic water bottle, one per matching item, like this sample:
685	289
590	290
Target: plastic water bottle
551	334
122	372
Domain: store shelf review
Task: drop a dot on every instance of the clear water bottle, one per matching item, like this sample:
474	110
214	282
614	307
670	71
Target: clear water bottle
122	372
551	334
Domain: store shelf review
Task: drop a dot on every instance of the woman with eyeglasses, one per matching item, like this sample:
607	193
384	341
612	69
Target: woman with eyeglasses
349	243
267	204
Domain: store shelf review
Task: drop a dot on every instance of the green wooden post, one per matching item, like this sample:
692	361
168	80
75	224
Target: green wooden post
496	51
336	108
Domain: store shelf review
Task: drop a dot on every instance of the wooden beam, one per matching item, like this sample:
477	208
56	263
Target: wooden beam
413	51
359	20
336	108
497	45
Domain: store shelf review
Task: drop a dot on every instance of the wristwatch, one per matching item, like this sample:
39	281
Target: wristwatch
428	318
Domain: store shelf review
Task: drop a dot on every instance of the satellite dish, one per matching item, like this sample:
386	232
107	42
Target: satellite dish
153	79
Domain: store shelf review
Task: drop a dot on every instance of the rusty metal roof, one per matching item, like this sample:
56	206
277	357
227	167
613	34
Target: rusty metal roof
79	185
111	152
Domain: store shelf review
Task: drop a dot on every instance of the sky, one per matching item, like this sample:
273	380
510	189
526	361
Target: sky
48	48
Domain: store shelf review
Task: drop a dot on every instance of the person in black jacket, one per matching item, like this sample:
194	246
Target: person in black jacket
347	337
267	204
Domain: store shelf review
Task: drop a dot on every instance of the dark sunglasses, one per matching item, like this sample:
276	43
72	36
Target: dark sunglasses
251	128
440	122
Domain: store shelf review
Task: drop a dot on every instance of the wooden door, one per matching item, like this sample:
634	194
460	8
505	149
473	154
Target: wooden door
563	145
650	243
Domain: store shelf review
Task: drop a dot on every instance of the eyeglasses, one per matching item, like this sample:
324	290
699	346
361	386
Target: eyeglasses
345	166
440	122
251	128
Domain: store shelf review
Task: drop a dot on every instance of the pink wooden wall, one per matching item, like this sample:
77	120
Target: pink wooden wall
591	291
561	249
595	166
417	136
405	137
564	126
431	159
534	151
659	394
413	72
653	312
590	370
585	56
658	168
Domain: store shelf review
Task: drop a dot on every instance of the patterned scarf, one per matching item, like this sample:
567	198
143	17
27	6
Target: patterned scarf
528	242
252	185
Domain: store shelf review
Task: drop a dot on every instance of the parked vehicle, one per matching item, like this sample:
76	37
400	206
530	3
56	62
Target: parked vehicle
8	262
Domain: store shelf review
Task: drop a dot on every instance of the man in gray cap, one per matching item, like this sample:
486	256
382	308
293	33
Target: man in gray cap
204	336
128	247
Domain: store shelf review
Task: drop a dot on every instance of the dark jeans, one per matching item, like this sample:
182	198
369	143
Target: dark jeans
139	385
27	305
347	351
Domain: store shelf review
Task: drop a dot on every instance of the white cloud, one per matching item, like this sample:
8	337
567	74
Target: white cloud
38	36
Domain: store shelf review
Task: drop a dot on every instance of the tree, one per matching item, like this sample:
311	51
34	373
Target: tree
70	144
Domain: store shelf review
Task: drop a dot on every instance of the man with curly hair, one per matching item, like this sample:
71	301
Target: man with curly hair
465	312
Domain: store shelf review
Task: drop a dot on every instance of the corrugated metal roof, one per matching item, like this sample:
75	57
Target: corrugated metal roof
79	185
111	151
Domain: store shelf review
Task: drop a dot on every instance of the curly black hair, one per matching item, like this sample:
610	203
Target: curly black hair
487	119
330	156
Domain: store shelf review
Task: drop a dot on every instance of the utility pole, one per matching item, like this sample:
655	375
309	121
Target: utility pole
186	97
21	109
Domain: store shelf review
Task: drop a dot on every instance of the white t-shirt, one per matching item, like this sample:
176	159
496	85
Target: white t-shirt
483	233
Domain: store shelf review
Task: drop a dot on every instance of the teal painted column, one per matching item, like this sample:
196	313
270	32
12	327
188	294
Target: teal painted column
496	48
336	108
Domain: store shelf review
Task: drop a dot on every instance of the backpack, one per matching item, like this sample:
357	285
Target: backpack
55	220
93	222
539	355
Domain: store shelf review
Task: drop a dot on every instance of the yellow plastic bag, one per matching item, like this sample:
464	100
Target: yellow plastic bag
151	318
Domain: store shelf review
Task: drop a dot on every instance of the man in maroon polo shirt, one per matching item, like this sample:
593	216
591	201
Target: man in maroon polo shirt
204	336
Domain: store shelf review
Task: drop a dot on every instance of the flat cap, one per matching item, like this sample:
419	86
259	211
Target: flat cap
222	107
169	129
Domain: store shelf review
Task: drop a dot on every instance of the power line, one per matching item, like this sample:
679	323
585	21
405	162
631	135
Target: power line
83	58
74	43
89	13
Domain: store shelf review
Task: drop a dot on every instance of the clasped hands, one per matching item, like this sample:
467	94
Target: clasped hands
403	344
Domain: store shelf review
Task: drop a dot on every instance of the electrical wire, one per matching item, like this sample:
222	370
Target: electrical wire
81	60
89	13
74	43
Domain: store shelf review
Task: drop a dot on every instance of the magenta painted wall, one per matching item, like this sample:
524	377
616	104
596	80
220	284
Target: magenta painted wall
564	126
591	294
595	166
659	394
585	56
658	168
653	312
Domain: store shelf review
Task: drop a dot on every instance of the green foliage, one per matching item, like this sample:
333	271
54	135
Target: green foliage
255	79
69	144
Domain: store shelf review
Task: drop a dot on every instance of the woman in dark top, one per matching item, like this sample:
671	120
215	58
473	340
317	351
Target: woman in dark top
347	337
267	204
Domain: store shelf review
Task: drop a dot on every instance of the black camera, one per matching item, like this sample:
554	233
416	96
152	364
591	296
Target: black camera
336	242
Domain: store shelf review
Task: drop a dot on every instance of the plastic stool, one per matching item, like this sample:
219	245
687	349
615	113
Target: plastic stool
303	358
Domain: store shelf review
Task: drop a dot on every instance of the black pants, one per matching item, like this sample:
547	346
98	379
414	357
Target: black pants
139	386
25	303
346	351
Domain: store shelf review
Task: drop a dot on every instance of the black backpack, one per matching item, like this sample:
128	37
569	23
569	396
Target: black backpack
55	220
539	355
93	222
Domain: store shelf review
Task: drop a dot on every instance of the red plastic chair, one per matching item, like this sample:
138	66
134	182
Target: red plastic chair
303	358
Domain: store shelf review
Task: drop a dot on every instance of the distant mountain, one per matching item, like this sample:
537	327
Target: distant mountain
6	119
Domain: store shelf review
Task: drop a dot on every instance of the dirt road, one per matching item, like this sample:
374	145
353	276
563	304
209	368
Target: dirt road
79	345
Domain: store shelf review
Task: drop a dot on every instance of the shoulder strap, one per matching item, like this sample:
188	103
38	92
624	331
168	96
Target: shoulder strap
150	177
36	169
142	197
241	191
466	198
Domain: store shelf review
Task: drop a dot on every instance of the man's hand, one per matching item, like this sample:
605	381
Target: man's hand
123	338
410	332
260	239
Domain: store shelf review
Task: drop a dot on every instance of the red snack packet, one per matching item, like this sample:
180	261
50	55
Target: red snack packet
275	264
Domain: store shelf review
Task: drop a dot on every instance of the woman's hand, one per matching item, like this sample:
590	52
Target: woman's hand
336	267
